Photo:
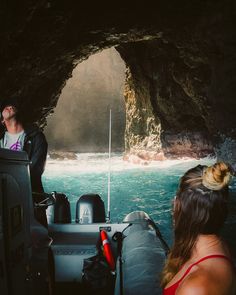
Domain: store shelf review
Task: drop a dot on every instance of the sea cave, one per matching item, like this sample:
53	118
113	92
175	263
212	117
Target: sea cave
173	98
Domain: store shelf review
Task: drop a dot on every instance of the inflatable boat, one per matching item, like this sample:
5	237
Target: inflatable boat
90	255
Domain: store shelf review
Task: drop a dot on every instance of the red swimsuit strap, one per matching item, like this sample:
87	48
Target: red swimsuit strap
200	260
172	289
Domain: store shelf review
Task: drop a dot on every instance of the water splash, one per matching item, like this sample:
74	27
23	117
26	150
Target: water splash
98	163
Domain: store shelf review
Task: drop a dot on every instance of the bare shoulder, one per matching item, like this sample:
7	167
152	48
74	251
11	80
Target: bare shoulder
214	277
199	283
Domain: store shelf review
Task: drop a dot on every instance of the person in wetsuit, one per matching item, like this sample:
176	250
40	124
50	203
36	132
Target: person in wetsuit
19	137
199	262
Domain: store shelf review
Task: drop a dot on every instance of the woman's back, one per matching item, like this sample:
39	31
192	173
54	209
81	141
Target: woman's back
212	274
199	262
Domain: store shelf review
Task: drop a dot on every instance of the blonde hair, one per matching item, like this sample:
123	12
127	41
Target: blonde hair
201	189
216	177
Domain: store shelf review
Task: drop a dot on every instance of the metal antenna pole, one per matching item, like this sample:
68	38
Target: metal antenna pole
109	175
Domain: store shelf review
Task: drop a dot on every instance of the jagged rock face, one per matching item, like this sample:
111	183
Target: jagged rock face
175	102
143	130
181	62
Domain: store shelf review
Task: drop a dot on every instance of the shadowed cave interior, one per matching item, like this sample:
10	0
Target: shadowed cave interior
180	63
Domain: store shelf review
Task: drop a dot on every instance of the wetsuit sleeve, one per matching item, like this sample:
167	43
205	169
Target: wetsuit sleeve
38	158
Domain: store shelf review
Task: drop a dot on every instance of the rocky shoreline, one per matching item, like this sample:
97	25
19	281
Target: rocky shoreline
173	146
62	155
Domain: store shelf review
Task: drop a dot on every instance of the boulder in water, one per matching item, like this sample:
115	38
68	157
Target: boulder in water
61	155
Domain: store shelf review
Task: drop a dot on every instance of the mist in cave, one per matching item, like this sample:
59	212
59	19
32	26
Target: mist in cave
80	122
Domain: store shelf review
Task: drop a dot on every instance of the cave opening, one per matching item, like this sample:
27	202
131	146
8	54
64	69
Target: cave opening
80	122
159	99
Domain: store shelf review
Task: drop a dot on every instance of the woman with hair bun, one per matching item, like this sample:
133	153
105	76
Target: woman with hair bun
199	262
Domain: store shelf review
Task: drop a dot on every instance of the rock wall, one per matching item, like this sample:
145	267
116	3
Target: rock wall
183	89
143	129
166	101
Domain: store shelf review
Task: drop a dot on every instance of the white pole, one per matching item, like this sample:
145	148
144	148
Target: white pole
109	174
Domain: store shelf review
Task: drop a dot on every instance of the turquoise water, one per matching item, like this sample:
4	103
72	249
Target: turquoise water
149	188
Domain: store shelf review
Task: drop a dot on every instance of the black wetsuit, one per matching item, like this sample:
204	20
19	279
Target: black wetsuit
36	146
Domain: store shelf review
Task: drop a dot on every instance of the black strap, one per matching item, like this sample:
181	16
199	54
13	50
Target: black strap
159	235
118	237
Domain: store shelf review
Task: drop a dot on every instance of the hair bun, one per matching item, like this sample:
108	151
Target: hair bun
217	176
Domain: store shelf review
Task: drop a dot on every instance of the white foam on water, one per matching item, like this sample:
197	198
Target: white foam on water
98	163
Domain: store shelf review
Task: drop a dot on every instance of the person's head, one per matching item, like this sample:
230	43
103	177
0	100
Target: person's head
200	208
9	109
